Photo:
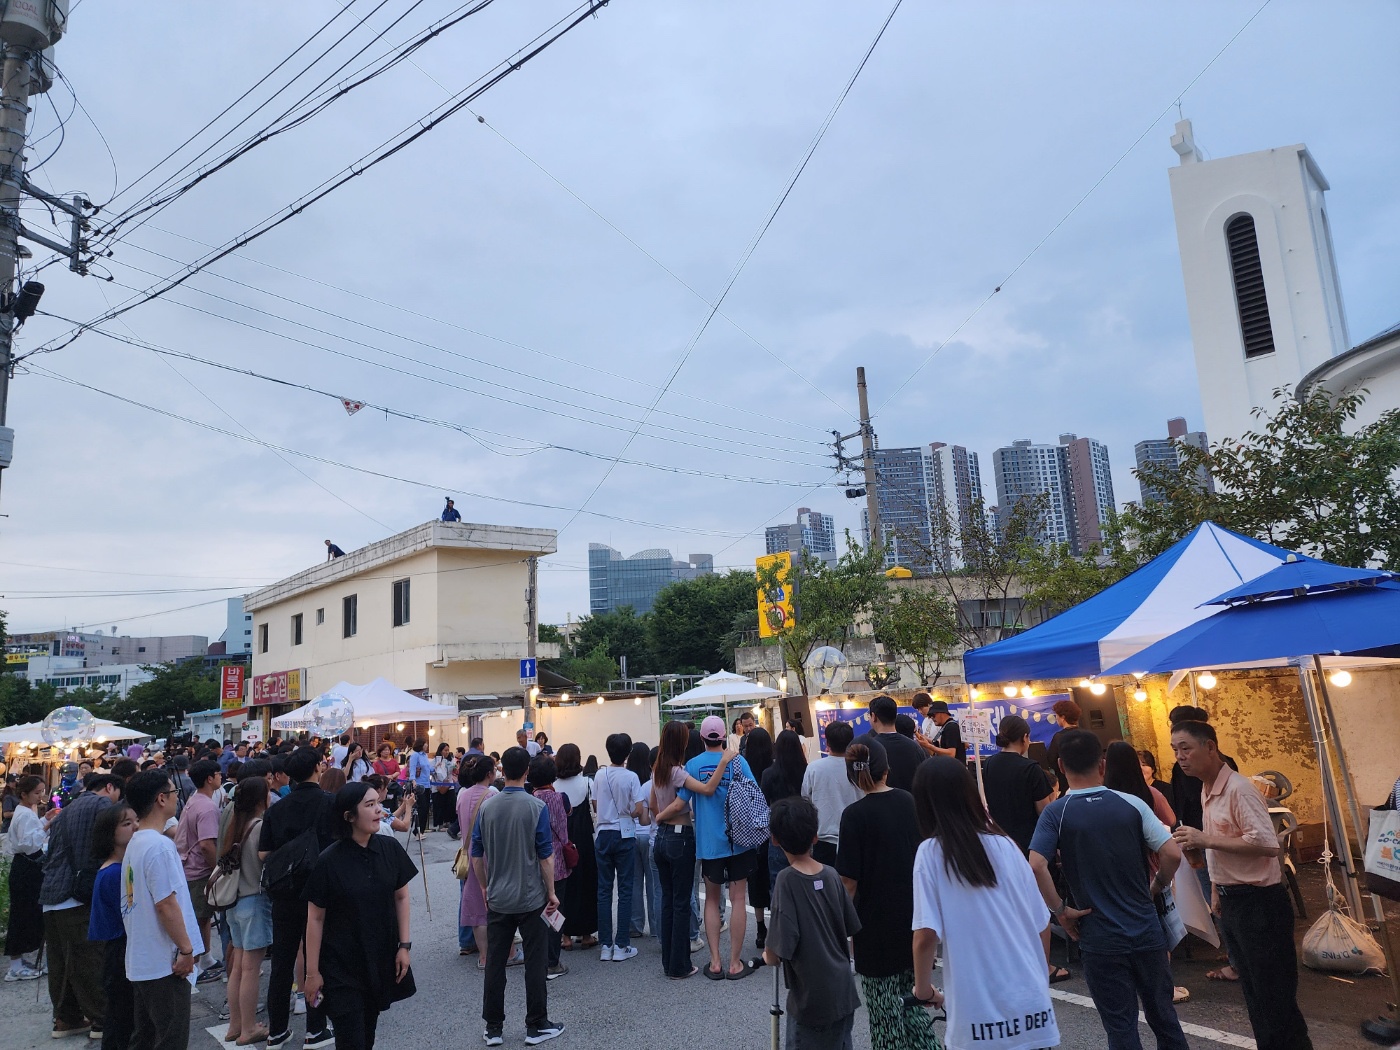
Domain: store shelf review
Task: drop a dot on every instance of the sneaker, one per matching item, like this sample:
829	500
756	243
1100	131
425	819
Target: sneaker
208	976
325	1037
95	1032
299	1004
62	1031
493	1037
555	971
623	954
274	1041
606	953
542	1033
224	1013
697	944
24	973
724	926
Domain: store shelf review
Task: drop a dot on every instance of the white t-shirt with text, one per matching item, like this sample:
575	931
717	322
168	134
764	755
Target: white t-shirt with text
616	789
994	972
151	872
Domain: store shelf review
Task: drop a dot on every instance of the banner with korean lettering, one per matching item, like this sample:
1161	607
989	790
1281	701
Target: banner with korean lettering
1036	711
231	686
775	608
280	687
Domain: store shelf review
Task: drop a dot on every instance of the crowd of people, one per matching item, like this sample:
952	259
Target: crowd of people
872	864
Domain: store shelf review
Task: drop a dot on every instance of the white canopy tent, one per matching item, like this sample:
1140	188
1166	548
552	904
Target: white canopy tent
32	733
720	689
377	703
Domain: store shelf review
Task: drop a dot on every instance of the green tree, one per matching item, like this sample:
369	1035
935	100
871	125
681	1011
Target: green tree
918	624
22	701
593	672
1056	579
549	633
832	601
160	705
1307	479
691	621
620	633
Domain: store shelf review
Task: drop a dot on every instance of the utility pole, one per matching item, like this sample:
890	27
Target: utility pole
532	624
867	445
26	30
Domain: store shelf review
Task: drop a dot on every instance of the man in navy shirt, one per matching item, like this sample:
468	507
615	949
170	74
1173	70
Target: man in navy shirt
333	552
450	513
1103	838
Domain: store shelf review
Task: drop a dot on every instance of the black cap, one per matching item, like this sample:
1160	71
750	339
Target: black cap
938	707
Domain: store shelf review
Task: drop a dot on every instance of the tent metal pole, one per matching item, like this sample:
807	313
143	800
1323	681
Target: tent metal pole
1348	784
1329	787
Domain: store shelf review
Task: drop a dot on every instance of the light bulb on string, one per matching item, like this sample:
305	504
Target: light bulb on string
637	700
1139	694
1206	680
505	714
563	698
1098	688
600	699
1341	678
1027	692
1009	690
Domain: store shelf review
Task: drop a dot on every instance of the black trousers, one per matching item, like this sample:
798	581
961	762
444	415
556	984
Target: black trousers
1258	926
288	929
422	806
824	852
500	932
120	1021
354	1029
162	1013
75	967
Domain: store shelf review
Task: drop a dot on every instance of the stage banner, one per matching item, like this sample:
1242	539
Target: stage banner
1036	711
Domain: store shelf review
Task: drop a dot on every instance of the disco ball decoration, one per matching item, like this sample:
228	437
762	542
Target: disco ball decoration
68	725
826	668
329	715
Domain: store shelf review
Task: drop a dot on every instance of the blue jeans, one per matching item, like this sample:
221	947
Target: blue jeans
674	855
645	891
1117	982
617	860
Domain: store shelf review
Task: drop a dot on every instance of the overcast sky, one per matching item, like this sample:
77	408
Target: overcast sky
460	282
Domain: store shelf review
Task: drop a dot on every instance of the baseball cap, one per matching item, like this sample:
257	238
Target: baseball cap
713	728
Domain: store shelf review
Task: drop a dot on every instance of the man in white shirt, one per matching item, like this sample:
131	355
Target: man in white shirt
522	739
826	786
162	934
341	749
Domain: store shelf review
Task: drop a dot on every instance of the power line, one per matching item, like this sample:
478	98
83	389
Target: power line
1074	208
744	257
436	486
388	149
116	572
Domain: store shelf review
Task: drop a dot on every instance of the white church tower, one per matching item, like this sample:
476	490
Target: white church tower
1262	292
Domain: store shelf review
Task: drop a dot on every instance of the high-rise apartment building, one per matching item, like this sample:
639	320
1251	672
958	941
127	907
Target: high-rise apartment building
928	497
1075	478
813	531
615	581
1163	452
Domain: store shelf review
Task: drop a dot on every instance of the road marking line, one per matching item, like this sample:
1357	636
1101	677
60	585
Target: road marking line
1215	1035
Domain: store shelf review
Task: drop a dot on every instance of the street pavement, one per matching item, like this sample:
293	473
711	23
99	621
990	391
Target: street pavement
632	1004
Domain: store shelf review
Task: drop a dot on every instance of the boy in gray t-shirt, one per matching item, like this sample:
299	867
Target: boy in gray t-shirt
812	919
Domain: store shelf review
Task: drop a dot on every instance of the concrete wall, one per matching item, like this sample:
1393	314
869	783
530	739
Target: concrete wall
587	725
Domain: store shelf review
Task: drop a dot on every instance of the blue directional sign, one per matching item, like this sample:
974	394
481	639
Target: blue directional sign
529	673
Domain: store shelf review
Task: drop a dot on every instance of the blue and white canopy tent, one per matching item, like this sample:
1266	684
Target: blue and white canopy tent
1162	597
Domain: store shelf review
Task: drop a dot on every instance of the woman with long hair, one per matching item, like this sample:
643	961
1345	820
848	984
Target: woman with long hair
111	832
875	859
475	776
250	918
758	752
357	921
28	838
332	780
974	890
644	887
355	764
443	794
543	773
783	779
674	848
579	900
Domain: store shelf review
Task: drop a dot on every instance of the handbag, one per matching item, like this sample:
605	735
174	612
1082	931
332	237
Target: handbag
221	891
1382	860
462	863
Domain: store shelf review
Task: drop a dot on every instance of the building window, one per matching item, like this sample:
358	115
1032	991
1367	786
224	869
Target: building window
400	602
320	617
350	616
1250	298
262	637
296	629
140	648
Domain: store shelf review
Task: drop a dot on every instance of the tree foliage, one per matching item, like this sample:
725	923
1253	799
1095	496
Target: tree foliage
1306	479
691	621
620	633
918	624
160	705
593	671
1055	579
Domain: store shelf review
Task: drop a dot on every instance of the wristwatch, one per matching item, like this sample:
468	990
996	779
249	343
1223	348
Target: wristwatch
406	945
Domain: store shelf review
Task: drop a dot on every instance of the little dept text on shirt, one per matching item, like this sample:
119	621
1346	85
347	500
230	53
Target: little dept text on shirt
989	1031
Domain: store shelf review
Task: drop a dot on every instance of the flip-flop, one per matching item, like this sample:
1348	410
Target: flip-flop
1219	975
714	975
693	971
740	975
1059	974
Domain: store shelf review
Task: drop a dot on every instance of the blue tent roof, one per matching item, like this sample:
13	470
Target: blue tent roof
1158	599
1300	573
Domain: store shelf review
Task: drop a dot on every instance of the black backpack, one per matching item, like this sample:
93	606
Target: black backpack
289	866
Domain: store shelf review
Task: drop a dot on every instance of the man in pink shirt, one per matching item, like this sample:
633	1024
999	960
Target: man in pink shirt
196	840
1242	851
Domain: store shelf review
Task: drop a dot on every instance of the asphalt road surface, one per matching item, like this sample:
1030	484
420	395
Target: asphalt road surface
632	1004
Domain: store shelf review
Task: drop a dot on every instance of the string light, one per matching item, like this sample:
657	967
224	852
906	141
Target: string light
1139	694
1098	688
1206	680
1009	690
637	700
505	714
1027	691
563	698
1341	678
600	699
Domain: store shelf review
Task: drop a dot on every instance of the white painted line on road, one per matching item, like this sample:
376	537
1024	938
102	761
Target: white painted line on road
218	1034
1215	1035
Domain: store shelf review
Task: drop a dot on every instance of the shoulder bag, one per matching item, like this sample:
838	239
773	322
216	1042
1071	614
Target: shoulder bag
745	812
221	891
462	863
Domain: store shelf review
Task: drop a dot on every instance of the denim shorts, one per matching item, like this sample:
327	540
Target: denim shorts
250	922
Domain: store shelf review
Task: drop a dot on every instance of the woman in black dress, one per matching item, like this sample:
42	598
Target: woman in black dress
357	926
578	898
758	752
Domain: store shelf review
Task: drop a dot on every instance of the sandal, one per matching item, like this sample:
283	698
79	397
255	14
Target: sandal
1058	974
588	942
714	975
566	945
1220	975
740	975
693	971
257	1035
517	958
1181	995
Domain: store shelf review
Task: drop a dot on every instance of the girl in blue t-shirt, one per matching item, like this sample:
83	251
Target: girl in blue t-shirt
110	834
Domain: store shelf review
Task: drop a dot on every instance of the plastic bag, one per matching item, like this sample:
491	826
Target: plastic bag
1339	943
